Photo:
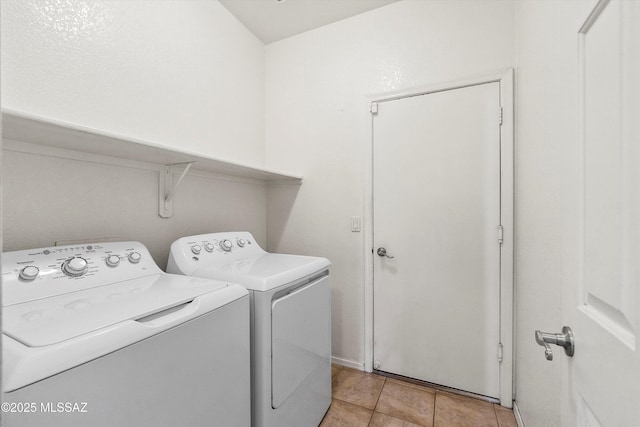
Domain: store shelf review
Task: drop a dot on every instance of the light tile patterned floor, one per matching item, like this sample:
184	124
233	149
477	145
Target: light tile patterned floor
361	399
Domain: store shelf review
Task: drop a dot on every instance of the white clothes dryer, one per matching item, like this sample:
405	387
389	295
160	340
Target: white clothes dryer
97	335
290	322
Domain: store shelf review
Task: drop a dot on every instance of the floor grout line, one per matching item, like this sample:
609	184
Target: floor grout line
435	397
377	400
380	394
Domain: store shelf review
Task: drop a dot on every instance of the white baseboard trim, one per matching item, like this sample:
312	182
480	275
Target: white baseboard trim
347	363
516	412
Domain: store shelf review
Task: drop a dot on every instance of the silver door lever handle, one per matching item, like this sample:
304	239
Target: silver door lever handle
383	252
565	340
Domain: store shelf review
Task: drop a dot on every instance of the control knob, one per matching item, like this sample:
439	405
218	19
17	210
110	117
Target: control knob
75	266
196	249
29	273
209	247
241	243
134	257
113	260
226	245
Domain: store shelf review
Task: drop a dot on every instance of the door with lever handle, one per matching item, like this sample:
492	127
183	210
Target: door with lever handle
383	252
565	340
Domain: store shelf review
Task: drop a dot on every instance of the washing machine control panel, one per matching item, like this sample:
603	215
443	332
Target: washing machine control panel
45	272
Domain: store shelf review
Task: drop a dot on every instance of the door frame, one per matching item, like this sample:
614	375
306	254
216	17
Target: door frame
505	78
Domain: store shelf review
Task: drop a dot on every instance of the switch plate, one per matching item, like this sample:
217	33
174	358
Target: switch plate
355	224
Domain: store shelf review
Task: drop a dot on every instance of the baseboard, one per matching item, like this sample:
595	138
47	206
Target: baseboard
516	412
347	363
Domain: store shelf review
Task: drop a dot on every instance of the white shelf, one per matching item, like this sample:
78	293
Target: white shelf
20	126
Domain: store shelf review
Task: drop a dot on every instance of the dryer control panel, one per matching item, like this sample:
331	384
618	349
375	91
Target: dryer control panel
221	243
236	257
213	248
45	272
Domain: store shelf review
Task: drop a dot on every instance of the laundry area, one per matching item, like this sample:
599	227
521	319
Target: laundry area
301	213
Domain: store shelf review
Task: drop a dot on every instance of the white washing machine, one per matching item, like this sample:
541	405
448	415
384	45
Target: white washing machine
290	322
97	335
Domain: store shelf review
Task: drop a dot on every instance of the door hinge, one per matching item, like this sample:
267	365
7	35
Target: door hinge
374	108
500	234
499	352
500	116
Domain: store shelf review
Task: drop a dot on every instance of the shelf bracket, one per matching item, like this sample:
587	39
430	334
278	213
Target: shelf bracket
168	188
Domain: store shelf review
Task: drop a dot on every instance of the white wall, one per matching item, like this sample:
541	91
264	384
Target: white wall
316	122
546	141
1	233
50	198
185	74
316	84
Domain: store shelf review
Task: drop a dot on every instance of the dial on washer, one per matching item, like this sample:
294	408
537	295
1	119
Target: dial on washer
226	245
29	273
113	260
75	266
134	257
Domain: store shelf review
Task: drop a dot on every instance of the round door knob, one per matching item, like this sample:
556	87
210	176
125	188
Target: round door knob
75	266
226	245
196	249
30	272
134	257
113	260
209	247
241	243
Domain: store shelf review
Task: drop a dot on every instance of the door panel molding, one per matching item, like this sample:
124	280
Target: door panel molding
505	78
606	292
601	299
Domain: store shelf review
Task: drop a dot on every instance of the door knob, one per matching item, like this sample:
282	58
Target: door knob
383	252
565	340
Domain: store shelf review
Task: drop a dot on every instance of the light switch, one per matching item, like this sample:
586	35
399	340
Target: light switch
355	224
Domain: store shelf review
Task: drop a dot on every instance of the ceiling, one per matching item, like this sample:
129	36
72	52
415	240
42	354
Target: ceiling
273	20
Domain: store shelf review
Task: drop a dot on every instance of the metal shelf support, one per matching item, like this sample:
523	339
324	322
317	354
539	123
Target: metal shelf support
168	189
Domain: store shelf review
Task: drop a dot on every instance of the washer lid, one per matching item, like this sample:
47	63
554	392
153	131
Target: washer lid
265	272
52	320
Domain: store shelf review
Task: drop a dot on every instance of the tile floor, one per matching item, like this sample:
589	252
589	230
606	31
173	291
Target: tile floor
361	399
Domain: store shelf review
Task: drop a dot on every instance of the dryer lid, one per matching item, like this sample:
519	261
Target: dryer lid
49	321
265	272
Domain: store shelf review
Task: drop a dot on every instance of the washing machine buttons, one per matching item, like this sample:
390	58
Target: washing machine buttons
241	243
134	257
209	247
75	266
29	273
196	249
113	260
226	245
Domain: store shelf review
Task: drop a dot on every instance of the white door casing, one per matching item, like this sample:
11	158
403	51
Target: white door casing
497	300
602	289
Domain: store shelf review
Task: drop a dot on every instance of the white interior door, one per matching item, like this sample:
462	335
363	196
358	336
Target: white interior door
602	302
436	197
